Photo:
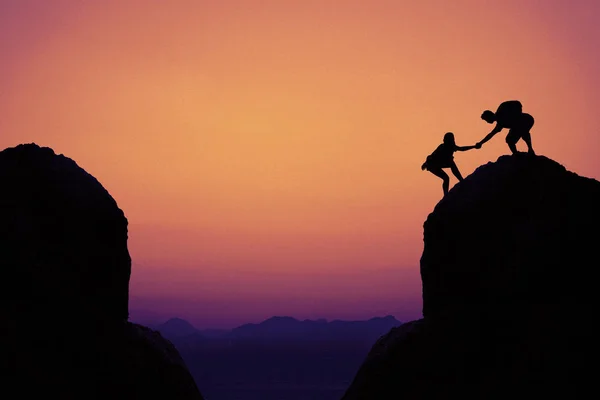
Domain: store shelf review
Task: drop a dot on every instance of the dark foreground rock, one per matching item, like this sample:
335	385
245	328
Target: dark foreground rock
507	269
65	279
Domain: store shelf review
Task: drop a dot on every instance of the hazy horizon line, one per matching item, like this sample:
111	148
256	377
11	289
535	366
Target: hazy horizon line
163	320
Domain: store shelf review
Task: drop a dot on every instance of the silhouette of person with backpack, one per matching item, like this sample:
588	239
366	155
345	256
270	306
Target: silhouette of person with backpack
510	115
443	157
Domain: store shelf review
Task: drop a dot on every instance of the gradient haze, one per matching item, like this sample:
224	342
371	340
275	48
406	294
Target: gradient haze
267	153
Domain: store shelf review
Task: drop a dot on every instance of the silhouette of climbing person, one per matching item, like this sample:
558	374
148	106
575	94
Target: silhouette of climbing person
443	157
510	115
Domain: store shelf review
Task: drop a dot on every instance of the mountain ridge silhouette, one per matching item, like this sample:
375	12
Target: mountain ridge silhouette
283	327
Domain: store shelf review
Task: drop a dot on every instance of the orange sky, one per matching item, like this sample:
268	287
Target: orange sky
267	153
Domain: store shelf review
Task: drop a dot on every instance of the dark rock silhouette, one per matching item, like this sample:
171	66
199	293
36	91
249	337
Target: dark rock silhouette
511	236
66	269
507	270
64	240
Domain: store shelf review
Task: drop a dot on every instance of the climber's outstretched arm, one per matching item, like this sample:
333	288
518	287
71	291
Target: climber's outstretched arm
490	135
464	148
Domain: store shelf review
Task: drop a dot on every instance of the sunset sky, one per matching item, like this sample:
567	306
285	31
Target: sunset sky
267	153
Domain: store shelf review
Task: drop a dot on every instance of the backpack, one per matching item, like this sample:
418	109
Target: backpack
508	110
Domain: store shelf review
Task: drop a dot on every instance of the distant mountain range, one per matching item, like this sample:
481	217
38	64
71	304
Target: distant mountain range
279	358
283	328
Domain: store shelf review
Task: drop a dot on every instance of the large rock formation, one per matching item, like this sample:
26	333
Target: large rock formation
66	269
507	266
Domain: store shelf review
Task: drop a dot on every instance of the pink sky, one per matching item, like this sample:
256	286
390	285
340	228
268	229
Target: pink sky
267	154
